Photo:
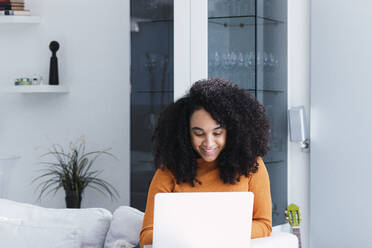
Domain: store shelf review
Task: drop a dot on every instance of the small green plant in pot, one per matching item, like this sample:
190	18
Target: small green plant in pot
73	171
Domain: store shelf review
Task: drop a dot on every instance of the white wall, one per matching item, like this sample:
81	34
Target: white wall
94	63
341	121
299	94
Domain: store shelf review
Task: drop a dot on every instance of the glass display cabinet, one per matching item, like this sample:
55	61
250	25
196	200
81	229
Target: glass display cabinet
174	43
151	86
247	45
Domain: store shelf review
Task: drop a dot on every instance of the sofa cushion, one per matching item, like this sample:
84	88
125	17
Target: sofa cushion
277	239
11	220
93	222
125	228
23	235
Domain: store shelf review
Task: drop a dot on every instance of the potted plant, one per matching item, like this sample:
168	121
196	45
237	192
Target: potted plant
73	171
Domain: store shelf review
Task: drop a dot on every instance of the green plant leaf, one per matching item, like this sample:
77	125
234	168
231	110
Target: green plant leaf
82	165
92	181
90	164
46	185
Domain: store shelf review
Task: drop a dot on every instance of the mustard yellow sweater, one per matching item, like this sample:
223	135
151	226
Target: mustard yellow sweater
208	173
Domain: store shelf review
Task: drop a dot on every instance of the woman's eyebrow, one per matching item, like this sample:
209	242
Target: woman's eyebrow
198	128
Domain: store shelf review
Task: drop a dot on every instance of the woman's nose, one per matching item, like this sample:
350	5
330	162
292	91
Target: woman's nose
209	141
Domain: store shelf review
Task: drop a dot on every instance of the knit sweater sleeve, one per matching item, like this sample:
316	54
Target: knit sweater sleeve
162	182
259	184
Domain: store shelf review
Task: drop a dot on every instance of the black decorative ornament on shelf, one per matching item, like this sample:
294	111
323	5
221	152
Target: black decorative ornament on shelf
53	69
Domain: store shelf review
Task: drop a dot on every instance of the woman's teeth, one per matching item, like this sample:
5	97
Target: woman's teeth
209	151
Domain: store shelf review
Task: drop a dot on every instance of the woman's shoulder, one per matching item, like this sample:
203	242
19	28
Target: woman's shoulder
260	161
161	182
259	180
163	172
261	169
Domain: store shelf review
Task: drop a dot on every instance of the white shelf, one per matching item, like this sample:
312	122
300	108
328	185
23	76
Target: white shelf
20	19
36	89
9	157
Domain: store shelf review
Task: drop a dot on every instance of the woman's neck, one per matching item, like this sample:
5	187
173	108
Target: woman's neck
209	164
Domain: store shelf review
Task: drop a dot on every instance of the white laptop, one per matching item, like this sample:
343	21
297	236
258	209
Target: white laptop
203	220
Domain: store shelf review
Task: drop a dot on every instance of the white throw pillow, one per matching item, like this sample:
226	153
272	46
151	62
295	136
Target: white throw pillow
122	244
22	235
93	222
125	227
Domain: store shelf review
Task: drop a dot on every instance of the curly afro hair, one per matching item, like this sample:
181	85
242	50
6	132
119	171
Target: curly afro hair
233	108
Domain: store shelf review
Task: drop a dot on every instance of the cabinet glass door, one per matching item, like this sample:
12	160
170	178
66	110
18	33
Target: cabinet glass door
231	43
247	45
151	85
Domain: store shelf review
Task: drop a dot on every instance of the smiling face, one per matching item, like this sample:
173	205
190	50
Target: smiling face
208	138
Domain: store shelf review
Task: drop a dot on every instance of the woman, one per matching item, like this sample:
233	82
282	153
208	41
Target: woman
212	140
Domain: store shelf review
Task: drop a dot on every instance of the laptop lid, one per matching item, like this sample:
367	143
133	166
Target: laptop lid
202	220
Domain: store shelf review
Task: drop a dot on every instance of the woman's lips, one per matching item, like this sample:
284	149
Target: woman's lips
208	151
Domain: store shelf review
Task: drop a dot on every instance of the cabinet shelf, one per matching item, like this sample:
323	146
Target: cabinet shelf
240	21
273	161
266	90
232	20
153	91
20	19
270	91
36	89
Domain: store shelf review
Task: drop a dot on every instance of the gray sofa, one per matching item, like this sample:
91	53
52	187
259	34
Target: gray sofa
25	225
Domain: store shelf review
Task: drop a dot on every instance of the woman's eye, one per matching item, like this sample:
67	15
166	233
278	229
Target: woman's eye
217	134
199	134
